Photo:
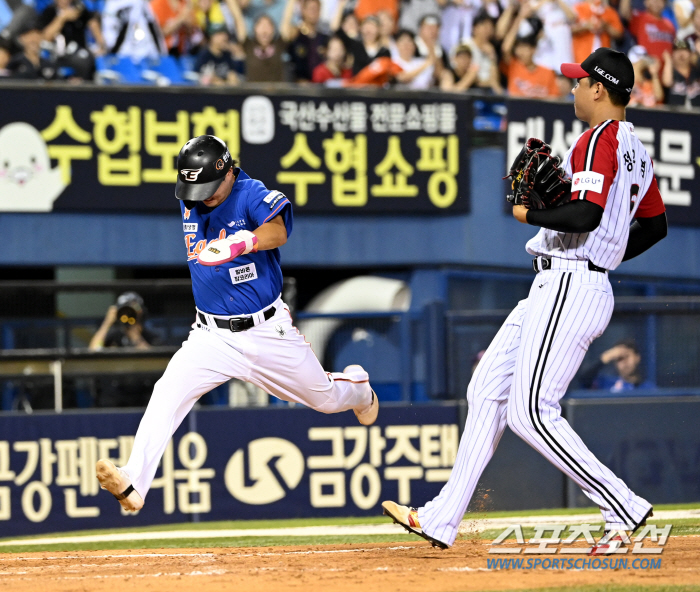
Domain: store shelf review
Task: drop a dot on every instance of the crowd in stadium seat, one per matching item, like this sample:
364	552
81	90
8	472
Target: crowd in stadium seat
484	46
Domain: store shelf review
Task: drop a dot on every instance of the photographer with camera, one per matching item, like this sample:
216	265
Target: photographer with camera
123	325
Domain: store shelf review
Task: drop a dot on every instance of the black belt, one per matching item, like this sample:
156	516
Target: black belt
547	264
238	324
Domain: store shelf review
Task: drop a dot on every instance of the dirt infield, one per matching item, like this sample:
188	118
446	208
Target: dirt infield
381	567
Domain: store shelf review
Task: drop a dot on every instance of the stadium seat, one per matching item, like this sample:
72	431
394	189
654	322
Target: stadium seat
112	69
163	71
170	67
187	63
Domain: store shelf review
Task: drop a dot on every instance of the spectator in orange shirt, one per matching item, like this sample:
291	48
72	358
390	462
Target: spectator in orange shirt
651	30
647	90
597	24
525	78
178	22
365	8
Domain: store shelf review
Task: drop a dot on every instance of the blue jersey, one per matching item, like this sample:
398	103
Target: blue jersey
250	282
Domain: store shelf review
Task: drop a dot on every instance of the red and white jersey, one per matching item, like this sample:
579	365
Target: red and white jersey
609	166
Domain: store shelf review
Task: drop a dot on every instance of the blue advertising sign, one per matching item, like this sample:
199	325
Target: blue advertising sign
223	465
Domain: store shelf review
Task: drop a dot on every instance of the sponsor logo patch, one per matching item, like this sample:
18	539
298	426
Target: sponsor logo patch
244	273
190	226
219	164
190	174
588	180
273	198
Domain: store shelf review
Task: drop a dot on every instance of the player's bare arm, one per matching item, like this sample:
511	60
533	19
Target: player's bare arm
272	234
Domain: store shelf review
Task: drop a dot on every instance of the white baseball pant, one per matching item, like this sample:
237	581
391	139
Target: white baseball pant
272	355
519	382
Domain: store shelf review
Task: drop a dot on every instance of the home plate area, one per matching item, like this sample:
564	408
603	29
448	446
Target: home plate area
368	567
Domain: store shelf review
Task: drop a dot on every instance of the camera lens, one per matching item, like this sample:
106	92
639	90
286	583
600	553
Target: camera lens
127	315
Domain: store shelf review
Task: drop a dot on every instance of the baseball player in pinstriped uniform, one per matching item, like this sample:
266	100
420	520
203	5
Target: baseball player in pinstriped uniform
242	328
613	212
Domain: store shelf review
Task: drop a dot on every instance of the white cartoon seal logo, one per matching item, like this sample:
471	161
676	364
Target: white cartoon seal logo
27	181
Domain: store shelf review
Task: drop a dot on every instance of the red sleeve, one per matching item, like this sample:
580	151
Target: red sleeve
634	24
651	204
320	74
670	26
594	163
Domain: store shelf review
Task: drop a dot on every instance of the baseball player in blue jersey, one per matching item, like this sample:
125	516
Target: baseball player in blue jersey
233	227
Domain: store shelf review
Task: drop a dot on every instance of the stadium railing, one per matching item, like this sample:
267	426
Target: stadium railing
417	355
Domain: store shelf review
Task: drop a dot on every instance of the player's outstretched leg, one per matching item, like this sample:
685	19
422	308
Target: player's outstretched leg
184	381
290	371
438	521
565	315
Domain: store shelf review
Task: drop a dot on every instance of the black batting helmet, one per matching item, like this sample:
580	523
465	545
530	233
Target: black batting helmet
201	167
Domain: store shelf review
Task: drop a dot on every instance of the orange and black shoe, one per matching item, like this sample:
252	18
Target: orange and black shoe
408	518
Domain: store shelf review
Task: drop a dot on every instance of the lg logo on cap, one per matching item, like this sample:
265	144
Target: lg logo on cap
604	74
190	174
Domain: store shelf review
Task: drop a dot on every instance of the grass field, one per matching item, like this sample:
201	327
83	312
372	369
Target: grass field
329	554
681	526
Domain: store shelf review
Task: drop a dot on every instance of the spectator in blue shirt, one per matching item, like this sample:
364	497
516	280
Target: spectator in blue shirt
626	358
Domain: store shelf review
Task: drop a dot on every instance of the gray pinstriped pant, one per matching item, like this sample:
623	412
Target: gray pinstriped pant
519	382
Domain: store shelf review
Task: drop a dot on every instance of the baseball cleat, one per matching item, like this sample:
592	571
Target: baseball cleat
369	415
617	541
408	518
609	547
116	481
